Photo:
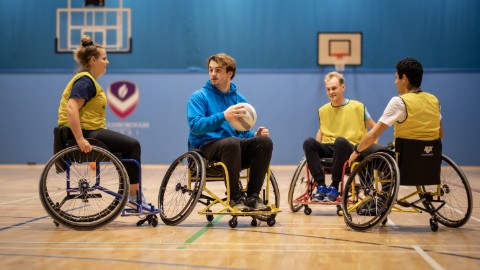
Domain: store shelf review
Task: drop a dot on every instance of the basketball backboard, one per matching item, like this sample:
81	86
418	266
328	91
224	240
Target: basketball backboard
109	24
333	47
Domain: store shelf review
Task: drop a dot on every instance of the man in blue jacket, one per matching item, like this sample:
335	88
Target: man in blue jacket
209	111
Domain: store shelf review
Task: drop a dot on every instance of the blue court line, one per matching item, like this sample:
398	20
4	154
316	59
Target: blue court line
116	260
22	223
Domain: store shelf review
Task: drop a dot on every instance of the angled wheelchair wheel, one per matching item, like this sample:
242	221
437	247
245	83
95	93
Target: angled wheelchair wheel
274	197
370	192
299	190
84	191
181	188
455	192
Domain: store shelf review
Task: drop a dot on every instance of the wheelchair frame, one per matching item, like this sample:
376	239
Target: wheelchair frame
373	186
303	179
84	197
187	177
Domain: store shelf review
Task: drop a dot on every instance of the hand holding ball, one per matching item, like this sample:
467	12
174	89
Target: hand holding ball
247	121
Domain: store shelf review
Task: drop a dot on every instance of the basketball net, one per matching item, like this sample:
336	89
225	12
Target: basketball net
339	59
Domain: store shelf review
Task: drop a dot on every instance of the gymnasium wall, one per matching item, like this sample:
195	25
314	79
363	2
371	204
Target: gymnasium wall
274	42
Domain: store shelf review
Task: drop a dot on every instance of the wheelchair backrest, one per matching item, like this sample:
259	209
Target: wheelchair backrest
419	161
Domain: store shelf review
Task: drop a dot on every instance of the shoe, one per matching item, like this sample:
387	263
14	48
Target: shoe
332	195
256	204
320	195
372	207
145	205
239	204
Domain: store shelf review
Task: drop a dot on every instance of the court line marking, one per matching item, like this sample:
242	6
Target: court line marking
427	258
231	244
458	211
117	260
281	249
22	223
19	200
203	230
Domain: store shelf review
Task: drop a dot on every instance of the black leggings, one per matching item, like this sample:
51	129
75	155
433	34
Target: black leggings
340	150
119	143
237	154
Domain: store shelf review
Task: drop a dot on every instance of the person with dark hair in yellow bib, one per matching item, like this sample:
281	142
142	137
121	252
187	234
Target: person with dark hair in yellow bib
415	114
82	110
343	122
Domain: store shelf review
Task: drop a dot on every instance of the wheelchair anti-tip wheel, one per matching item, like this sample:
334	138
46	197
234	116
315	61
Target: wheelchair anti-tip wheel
370	192
84	191
181	188
455	192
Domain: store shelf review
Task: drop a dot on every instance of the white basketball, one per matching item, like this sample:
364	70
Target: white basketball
246	122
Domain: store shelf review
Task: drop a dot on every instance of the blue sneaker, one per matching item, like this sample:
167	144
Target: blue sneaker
332	195
320	195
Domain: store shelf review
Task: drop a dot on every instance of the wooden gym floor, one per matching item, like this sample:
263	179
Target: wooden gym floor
30	240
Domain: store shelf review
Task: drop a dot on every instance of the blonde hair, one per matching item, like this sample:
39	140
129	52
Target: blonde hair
335	74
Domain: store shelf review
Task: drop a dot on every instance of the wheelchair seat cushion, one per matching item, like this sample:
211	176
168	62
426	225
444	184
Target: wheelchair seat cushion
419	161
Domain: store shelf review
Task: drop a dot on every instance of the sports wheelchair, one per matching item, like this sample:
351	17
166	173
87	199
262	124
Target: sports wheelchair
441	188
303	187
185	184
85	191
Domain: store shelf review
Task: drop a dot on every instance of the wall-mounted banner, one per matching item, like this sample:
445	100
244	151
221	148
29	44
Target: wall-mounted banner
123	98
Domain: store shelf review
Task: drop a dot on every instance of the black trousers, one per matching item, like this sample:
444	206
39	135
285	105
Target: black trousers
340	151
119	143
237	154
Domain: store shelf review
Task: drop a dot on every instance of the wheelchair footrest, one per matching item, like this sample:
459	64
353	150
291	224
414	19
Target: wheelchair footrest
135	212
239	213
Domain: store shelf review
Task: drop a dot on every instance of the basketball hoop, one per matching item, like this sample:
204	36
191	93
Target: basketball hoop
339	59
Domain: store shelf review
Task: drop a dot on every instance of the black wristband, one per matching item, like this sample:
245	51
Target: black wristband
355	149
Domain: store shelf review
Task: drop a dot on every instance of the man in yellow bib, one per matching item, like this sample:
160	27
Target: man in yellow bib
343	123
415	114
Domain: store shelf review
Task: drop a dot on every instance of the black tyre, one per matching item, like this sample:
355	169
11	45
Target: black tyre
299	186
370	192
84	191
181	188
456	192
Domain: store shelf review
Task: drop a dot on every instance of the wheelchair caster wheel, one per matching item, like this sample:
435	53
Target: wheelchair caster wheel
254	222
140	222
271	221
209	217
307	210
433	225
153	220
233	222
339	210
56	224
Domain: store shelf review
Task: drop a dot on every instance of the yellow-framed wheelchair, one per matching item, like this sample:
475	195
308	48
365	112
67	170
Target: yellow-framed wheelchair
85	191
185	184
441	188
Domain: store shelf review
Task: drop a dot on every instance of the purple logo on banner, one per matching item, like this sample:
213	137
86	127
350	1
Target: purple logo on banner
123	98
